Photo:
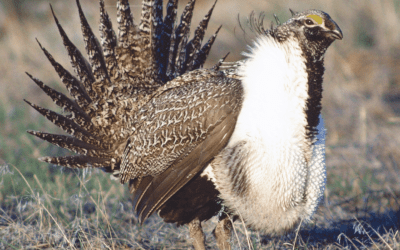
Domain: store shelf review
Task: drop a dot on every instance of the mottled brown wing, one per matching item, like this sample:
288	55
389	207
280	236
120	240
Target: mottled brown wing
164	186
179	133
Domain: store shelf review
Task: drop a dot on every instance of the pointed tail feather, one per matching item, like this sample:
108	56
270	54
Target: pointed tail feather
67	125
72	144
129	50
205	50
217	66
81	66
151	26
94	51
147	27
195	44
78	115
166	38
158	21
108	42
126	26
77	161
180	40
74	87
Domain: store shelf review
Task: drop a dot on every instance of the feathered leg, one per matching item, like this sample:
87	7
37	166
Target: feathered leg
196	233
222	233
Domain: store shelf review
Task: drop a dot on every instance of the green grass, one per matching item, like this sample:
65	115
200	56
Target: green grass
44	206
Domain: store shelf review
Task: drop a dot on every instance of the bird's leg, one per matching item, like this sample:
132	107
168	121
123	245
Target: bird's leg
222	233
196	233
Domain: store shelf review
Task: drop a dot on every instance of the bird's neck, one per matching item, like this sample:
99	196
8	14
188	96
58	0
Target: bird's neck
283	84
315	71
275	83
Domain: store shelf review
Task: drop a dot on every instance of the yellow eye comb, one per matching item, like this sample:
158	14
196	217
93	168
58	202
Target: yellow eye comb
316	18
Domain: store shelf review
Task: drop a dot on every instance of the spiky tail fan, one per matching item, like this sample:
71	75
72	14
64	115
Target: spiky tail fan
121	74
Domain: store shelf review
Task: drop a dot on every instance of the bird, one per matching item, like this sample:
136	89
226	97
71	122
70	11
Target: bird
241	139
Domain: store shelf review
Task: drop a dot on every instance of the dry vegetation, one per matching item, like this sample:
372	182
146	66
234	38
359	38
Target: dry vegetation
50	207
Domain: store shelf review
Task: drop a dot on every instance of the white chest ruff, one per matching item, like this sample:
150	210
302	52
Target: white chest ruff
284	174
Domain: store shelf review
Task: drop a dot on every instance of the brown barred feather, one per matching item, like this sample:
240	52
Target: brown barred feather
128	51
81	66
166	39
180	40
205	50
156	38
78	115
148	24
74	87
77	161
125	24
195	44
66	124
108	42
71	143
217	66
167	183
94	51
125	116
162	137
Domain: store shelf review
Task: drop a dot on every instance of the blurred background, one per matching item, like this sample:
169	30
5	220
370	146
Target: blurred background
361	105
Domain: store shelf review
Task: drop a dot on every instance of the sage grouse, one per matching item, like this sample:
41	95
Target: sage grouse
239	139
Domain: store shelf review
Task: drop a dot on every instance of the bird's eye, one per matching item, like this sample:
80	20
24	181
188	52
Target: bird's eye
309	22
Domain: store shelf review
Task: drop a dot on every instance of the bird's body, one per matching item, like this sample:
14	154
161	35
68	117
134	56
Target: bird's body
271	145
241	139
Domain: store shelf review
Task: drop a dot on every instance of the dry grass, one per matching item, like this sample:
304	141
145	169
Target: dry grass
50	207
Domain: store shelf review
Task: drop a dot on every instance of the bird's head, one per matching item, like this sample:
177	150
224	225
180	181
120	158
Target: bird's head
314	29
315	25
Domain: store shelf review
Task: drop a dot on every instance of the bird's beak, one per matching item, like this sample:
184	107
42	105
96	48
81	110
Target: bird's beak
333	31
336	34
